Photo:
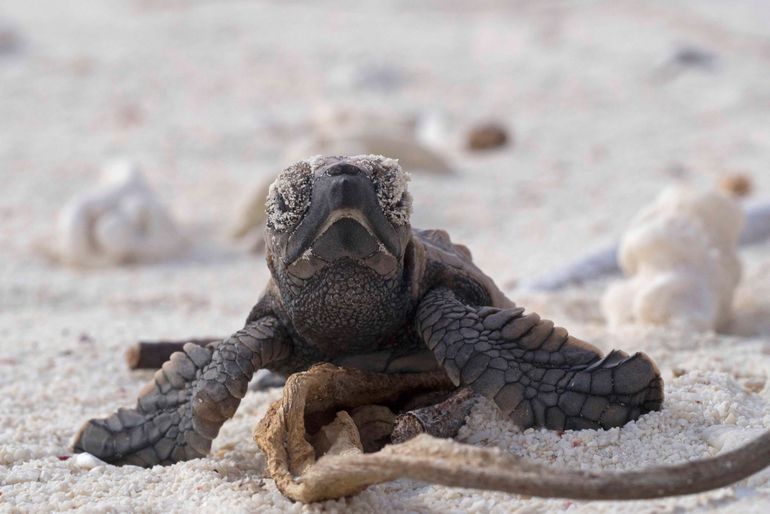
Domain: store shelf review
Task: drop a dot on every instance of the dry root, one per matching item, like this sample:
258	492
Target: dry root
152	354
315	436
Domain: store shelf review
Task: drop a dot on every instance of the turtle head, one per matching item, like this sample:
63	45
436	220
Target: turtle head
326	211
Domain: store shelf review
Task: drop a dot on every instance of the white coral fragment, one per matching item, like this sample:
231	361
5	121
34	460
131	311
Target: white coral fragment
679	256
120	221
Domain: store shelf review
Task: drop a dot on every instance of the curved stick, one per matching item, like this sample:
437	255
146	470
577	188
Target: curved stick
291	461
438	461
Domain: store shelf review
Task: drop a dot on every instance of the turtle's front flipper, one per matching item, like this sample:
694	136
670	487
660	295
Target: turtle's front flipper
536	373
179	413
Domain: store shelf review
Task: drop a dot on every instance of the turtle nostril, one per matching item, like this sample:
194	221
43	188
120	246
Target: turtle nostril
343	168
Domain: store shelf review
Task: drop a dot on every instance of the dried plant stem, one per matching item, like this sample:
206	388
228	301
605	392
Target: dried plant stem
152	354
445	462
346	470
440	420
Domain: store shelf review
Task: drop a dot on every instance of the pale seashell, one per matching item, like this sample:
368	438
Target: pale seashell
119	221
87	461
680	257
345	129
411	155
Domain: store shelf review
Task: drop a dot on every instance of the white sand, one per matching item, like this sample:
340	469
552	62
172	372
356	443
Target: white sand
200	93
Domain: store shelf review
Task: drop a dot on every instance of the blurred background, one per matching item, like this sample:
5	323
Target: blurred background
593	106
534	132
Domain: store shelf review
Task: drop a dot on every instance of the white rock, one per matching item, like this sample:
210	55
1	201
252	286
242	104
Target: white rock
118	222
88	461
679	256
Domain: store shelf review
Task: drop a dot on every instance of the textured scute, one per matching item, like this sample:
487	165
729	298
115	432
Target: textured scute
179	413
541	376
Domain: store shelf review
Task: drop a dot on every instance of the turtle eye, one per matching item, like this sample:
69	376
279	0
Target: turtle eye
289	197
399	213
280	203
390	185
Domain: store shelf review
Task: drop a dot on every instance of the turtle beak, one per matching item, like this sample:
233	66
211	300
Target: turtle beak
344	220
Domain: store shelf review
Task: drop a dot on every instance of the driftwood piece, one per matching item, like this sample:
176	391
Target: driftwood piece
304	474
443	419
152	354
324	391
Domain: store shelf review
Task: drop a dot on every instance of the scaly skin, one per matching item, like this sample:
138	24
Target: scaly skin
536	373
180	412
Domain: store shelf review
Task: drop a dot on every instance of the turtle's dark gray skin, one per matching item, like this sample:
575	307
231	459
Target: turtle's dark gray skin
353	284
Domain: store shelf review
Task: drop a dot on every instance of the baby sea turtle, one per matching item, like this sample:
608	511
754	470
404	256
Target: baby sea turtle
353	284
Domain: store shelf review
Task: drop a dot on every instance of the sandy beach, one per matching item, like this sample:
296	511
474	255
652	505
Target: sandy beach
603	110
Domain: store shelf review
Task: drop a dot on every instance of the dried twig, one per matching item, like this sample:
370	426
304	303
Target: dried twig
344	469
440	420
445	462
152	354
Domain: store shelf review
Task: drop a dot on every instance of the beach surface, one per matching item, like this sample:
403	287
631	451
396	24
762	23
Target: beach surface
607	103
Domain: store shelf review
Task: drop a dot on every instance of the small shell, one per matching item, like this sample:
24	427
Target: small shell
736	184
88	461
487	136
347	130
